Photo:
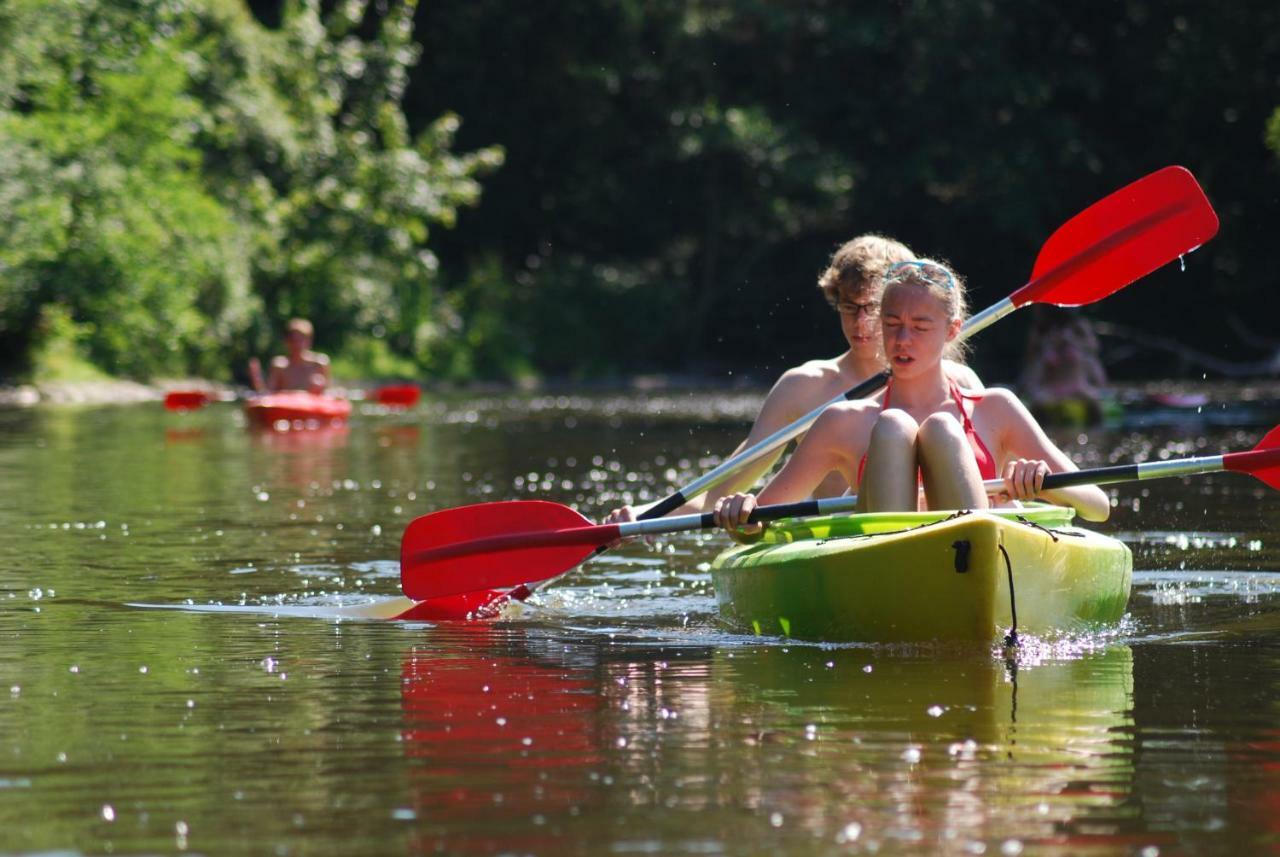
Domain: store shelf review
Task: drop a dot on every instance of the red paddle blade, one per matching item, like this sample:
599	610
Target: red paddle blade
1263	461
398	395
186	400
429	570
1120	239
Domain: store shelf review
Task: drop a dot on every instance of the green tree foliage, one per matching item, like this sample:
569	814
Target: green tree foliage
105	215
177	178
678	172
308	117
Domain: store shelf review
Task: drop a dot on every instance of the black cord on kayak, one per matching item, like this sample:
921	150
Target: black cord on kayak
1010	639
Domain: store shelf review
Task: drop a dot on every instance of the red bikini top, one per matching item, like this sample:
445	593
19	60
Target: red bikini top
986	461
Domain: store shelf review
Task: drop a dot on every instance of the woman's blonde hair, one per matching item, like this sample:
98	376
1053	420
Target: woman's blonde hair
943	283
861	263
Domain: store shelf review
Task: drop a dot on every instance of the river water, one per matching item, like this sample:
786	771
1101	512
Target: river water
179	671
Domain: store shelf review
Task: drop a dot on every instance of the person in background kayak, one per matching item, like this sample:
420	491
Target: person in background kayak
300	369
851	285
922	429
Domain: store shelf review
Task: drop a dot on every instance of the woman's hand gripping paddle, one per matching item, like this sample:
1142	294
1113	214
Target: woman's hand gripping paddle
497	545
1104	248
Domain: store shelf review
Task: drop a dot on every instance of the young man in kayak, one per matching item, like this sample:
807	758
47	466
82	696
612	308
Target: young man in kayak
851	284
922	430
300	369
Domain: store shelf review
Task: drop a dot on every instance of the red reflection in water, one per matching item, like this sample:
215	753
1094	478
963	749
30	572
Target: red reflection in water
184	435
397	435
302	458
332	436
502	736
1255	799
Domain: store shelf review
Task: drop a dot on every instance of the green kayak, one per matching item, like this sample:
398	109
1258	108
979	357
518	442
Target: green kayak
916	576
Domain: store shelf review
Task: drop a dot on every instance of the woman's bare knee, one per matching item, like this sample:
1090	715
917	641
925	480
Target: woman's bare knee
889	482
951	476
941	431
895	425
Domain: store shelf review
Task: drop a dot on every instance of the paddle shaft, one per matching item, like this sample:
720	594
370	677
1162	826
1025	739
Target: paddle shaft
1240	462
604	534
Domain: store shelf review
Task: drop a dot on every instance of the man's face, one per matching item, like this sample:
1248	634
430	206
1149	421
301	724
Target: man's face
859	309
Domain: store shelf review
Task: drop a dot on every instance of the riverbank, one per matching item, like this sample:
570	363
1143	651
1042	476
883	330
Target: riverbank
79	393
123	392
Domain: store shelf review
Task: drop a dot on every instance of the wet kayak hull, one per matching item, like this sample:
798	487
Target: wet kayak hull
924	576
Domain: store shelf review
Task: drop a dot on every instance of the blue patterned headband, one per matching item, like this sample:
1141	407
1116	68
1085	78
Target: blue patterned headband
930	272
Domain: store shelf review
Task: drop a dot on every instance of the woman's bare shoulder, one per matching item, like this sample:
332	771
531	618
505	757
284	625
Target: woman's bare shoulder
962	375
1002	404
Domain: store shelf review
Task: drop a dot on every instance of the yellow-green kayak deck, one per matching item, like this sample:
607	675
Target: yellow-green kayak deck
900	577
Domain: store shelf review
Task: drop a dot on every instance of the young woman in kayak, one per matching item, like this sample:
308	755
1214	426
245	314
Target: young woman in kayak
300	369
851	285
923	430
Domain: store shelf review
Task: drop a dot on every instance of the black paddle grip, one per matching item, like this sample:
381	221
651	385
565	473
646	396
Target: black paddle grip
770	513
1093	476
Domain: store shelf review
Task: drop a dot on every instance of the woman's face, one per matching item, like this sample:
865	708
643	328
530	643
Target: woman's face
859	309
916	329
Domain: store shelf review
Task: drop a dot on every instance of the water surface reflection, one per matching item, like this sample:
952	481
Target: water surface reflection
611	714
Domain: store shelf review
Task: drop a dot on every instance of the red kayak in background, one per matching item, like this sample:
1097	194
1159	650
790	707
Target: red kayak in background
296	410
